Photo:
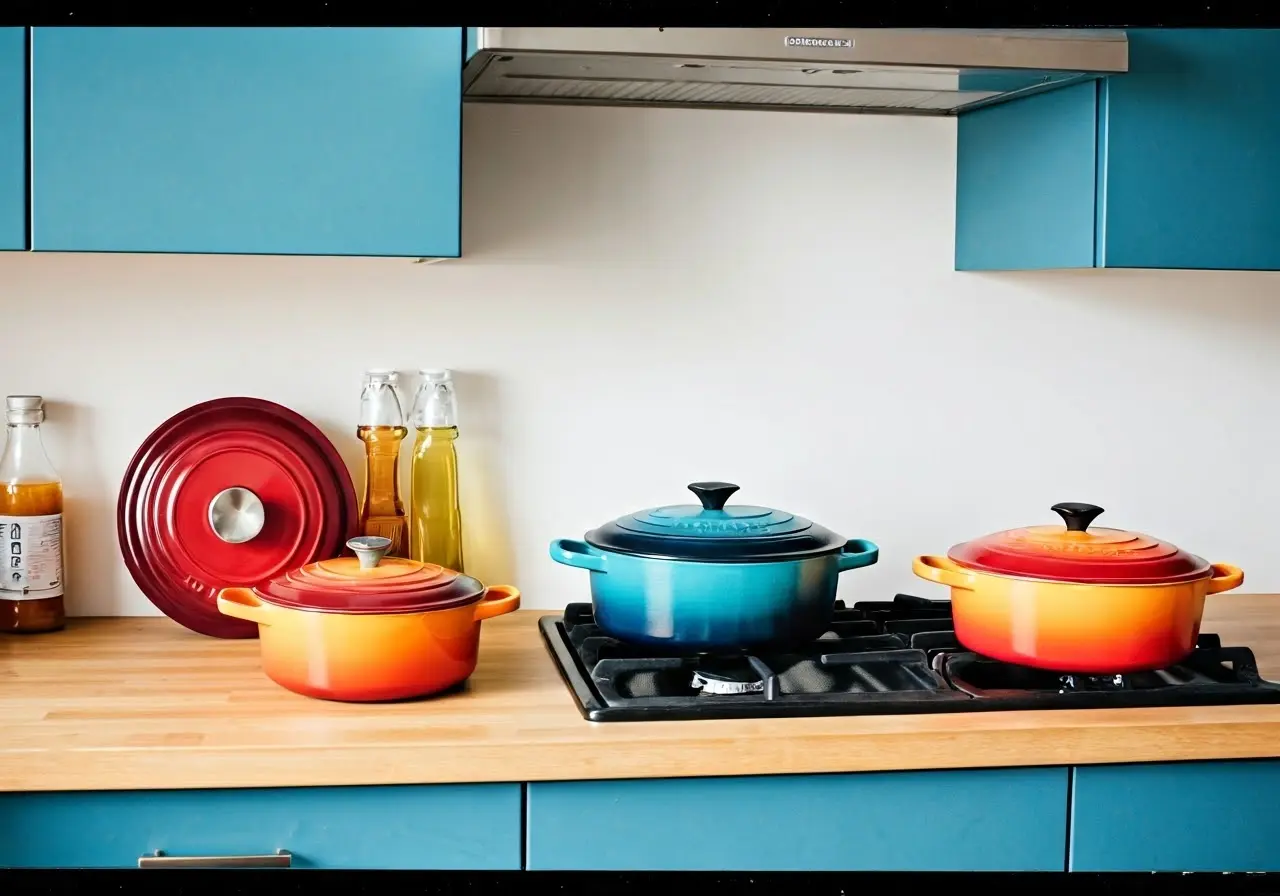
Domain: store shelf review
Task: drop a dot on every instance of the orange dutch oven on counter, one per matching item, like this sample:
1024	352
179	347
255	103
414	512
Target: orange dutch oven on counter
369	628
1074	599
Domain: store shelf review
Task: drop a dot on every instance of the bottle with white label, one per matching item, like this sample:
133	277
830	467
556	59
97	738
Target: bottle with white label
30	524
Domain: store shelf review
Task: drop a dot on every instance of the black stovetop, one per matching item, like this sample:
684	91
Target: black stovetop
878	658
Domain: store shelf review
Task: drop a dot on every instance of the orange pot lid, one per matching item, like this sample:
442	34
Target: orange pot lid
1075	553
371	583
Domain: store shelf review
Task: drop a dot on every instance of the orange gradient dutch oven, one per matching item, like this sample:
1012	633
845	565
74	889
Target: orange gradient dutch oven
1074	599
369	628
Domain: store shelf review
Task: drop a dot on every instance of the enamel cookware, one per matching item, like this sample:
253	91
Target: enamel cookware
713	576
1071	598
230	492
369	628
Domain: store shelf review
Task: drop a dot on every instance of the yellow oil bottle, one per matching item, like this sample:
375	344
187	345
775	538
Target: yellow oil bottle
435	515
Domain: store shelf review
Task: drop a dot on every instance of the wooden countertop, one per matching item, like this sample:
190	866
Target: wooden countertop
116	704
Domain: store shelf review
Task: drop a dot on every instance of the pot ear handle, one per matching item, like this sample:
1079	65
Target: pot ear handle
857	553
943	571
713	495
578	554
241	603
1225	577
1077	516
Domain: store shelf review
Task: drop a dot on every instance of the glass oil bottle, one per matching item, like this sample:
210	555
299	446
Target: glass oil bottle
31	584
382	429
436	517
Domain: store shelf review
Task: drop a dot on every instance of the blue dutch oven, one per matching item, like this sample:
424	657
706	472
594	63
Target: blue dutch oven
714	577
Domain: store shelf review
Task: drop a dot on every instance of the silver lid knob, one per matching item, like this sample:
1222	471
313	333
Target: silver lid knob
369	549
236	515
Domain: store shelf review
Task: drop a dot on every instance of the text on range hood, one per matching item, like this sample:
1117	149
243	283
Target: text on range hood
913	72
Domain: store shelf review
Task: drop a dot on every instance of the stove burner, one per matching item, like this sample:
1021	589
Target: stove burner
1092	683
877	658
744	682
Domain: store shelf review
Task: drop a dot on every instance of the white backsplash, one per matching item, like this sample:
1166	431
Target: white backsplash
652	297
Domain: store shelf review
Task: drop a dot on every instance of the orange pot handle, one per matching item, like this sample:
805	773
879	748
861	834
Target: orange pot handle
242	604
1225	577
943	571
498	600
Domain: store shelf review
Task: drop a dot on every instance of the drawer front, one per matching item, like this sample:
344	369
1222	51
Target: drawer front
982	820
1184	816
284	141
462	826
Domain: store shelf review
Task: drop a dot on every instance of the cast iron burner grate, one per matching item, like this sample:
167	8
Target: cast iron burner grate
877	658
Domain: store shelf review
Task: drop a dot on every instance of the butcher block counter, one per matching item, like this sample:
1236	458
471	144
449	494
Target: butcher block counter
140	703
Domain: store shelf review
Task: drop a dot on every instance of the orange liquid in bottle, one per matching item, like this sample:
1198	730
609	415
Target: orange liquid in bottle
381	510
46	614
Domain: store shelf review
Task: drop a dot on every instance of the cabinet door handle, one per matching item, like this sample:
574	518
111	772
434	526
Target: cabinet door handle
280	859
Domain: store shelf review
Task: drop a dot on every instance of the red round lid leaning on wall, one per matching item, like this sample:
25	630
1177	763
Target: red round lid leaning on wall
230	493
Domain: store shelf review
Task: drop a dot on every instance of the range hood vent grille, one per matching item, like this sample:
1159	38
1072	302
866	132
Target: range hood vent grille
913	72
617	91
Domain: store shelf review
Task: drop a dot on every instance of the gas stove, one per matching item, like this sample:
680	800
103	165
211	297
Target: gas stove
877	658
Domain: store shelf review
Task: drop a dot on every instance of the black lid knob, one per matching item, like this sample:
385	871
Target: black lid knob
1077	516
713	495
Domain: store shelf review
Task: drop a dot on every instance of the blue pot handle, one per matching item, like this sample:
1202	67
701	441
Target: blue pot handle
857	553
577	554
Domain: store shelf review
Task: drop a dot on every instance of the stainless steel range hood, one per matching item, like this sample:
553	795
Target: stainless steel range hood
912	72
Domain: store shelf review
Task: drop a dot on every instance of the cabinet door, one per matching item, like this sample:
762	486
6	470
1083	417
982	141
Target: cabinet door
1172	165
1026	179
1184	816
983	820
13	138
1191	152
453	826
284	141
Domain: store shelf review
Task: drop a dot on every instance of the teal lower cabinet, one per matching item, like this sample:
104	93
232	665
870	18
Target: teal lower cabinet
981	820
1179	816
448	826
1192	816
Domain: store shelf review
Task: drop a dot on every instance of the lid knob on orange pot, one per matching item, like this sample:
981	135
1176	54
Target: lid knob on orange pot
369	549
371	582
1077	554
1076	516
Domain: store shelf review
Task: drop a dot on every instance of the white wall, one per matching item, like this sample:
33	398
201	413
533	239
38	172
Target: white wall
655	297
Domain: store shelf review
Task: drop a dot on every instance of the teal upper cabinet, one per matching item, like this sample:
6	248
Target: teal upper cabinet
13	138
276	141
1173	165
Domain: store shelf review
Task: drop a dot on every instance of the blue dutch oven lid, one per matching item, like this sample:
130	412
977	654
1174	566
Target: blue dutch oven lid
714	533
